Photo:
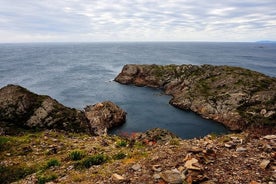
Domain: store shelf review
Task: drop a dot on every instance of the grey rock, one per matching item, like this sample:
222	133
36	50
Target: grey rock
156	176
241	149
136	167
172	177
104	116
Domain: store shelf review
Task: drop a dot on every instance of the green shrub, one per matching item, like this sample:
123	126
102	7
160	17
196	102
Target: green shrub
93	160
44	179
3	142
9	174
76	155
52	163
119	156
121	143
174	141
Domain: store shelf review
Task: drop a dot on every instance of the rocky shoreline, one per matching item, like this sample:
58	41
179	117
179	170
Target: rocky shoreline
20	108
239	98
42	141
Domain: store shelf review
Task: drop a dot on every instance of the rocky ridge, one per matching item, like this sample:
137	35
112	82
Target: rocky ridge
22	108
239	98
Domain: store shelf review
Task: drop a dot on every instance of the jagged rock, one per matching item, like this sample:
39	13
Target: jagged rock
264	164
117	177
237	97
22	108
28	110
103	116
193	164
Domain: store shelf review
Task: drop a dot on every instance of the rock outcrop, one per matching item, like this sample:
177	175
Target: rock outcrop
239	98
103	116
22	108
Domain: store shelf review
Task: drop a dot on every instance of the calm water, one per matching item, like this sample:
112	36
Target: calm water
80	74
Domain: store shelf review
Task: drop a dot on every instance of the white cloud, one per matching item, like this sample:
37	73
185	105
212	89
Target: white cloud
136	20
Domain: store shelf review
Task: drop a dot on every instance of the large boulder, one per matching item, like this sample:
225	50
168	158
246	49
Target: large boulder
237	97
104	116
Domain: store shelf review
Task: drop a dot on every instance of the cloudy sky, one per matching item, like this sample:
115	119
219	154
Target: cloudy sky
136	20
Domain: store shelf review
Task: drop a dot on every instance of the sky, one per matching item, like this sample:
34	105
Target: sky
137	20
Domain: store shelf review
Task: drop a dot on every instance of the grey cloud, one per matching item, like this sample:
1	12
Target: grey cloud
115	17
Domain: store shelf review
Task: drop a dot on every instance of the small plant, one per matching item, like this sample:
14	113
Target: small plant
174	141
76	155
52	163
121	143
93	160
12	173
44	179
3	142
119	156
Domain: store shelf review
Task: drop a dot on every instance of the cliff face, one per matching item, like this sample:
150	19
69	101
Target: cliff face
237	97
22	108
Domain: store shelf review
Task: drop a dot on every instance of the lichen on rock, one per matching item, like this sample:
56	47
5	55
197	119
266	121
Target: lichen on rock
237	97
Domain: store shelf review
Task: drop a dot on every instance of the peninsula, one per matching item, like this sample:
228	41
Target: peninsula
237	97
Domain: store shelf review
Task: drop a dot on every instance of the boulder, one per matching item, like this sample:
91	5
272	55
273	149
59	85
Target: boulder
104	116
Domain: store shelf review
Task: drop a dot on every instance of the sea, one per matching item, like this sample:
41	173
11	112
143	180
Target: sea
81	74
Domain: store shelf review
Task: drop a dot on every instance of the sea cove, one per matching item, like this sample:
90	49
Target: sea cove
80	74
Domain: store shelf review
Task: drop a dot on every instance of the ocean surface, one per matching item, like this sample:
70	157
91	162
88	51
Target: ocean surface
80	74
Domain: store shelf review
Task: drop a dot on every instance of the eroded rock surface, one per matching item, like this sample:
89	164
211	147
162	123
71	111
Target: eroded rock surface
103	116
237	97
22	108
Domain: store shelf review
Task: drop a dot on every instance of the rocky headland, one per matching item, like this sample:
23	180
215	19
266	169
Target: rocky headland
237	97
20	108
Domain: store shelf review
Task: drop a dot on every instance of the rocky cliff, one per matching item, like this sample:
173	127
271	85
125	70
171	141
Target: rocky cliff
22	108
237	97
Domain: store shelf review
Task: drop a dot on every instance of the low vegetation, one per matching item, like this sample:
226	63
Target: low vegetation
50	154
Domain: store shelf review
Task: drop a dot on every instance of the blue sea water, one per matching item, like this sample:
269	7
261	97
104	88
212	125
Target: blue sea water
80	74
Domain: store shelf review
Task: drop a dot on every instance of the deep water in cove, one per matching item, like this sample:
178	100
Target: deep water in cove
80	74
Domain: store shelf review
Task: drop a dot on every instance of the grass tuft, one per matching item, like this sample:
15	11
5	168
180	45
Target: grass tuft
76	155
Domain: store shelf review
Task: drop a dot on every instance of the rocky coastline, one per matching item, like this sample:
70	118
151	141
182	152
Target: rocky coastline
42	141
20	108
236	97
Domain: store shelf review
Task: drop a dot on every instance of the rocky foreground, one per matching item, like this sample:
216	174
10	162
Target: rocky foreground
154	157
237	97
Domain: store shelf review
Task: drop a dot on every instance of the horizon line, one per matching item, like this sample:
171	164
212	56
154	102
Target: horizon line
42	42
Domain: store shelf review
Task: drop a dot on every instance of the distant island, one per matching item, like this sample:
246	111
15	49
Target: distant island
265	41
